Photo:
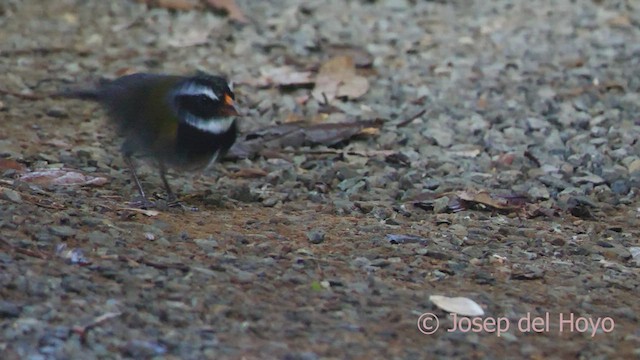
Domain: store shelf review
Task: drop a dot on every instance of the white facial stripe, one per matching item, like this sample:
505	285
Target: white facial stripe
195	90
230	85
213	126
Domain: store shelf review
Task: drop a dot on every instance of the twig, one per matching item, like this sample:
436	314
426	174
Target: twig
533	159
41	51
27	252
409	120
156	265
370	153
83	330
22	96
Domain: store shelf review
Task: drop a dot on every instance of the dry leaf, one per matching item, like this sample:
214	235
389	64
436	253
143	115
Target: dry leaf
499	202
361	57
621	20
6	164
146	212
370	131
231	8
284	76
249	173
182	5
298	134
459	305
337	78
193	37
61	177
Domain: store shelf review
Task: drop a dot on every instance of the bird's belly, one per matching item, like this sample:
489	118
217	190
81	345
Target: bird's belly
195	148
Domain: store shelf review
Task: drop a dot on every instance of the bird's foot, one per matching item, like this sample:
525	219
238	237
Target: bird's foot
179	204
171	202
143	203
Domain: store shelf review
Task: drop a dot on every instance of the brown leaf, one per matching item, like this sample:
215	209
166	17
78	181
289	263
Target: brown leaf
622	20
61	177
6	164
285	76
230	6
193	37
361	57
370	131
146	212
249	173
182	5
298	134
499	202
337	78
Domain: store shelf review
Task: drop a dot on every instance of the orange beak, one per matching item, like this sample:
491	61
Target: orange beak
230	108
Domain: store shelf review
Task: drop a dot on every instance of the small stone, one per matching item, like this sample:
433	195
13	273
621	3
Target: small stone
98	237
244	277
62	231
270	201
539	192
441	205
316	236
12	195
144	349
634	166
208	245
56	112
620	187
9	309
92	221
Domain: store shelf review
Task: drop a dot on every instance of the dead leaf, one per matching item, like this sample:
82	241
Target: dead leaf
337	78
181	5
293	117
469	151
285	76
249	173
622	21
459	305
193	37
463	200
230	6
361	57
298	134
57	143
499	202
61	177
370	131
146	212
6	164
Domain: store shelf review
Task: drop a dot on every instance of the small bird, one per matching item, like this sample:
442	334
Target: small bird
183	122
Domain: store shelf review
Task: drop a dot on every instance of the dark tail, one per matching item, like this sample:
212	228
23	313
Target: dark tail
79	94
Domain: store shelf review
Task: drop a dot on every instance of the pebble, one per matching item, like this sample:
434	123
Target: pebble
12	195
316	236
620	187
62	231
208	245
9	309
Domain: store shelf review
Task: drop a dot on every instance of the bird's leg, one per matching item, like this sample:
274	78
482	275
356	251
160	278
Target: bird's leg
171	196
144	203
172	199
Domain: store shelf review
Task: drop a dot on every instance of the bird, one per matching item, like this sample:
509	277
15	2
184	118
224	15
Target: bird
184	122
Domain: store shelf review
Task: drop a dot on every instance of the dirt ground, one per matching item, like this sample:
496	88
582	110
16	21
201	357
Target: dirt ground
505	171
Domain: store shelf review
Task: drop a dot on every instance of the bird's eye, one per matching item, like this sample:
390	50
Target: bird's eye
205	100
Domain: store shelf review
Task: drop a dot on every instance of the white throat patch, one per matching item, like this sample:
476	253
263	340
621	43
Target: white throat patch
213	126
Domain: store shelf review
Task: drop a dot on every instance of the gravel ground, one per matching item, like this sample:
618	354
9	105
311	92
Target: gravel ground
504	168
